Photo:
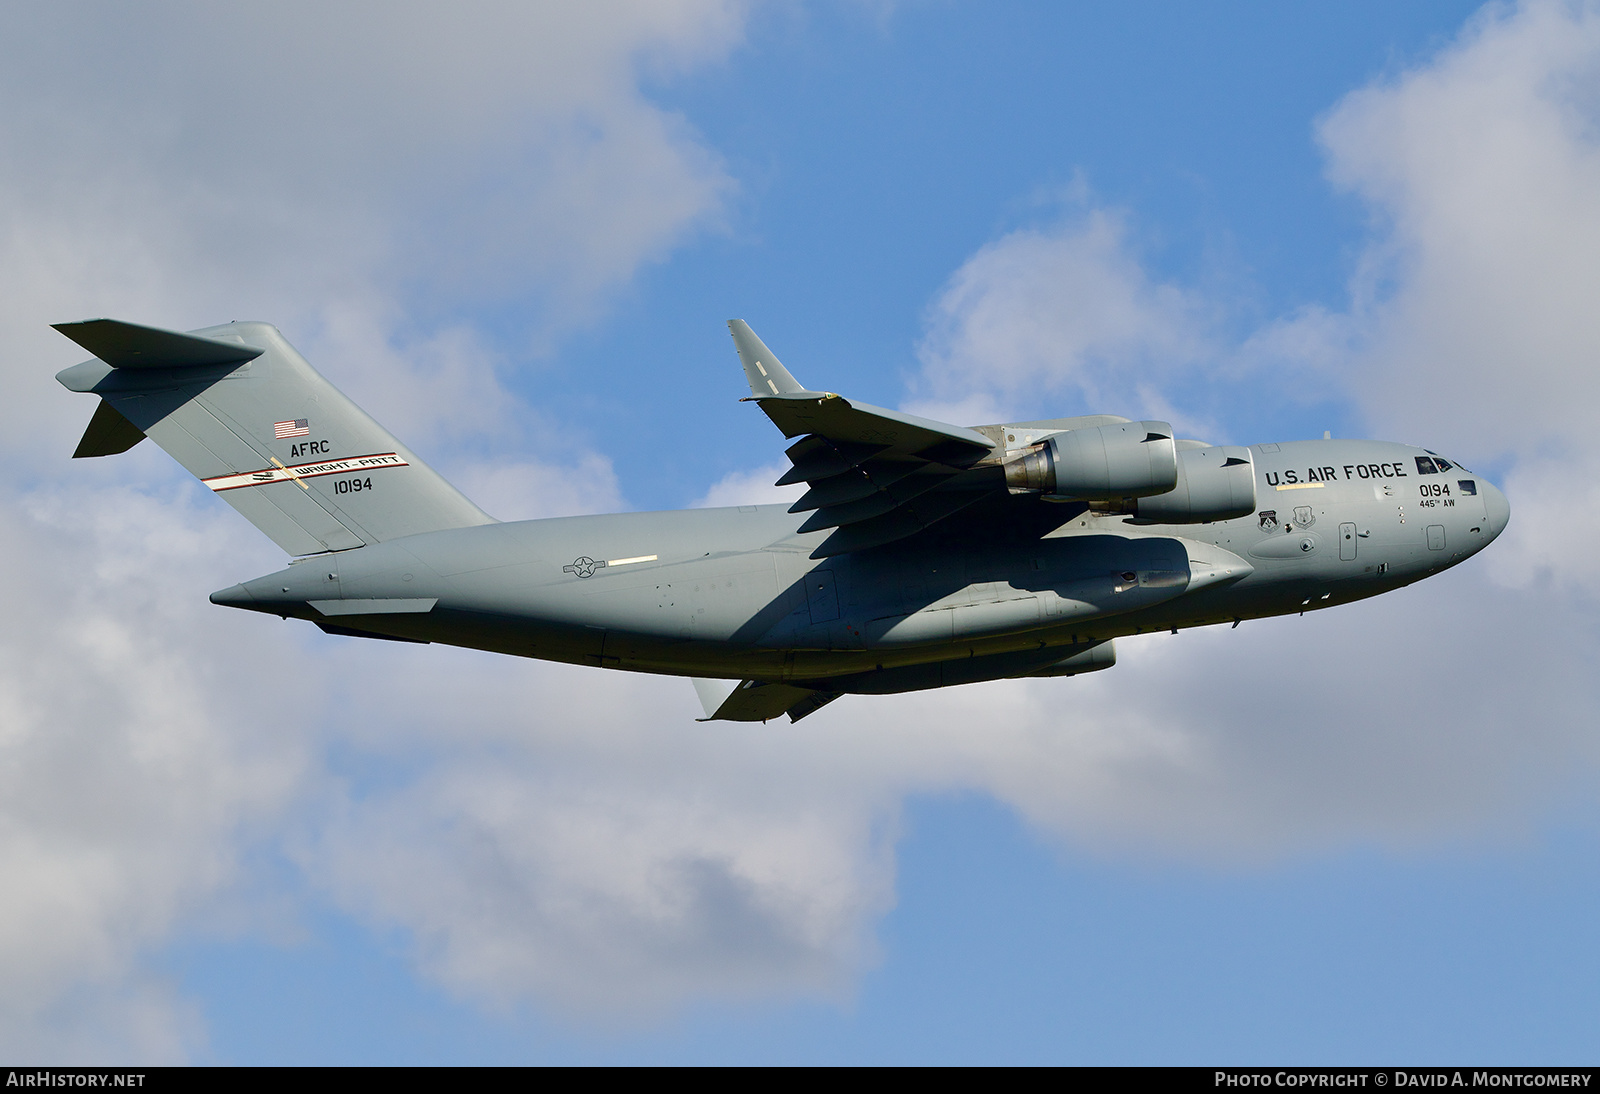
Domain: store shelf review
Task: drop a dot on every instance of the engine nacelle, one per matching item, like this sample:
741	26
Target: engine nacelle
1216	483
1130	460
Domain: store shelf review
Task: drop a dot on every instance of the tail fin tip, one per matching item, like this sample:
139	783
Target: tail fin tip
129	345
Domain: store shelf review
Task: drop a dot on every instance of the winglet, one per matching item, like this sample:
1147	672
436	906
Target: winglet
765	372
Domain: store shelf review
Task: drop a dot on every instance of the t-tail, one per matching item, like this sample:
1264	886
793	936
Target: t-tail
245	413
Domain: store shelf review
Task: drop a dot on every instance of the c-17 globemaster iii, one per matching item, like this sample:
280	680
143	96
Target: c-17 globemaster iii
922	554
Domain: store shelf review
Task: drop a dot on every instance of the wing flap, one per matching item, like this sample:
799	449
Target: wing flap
907	520
756	701
876	475
834	516
816	457
852	485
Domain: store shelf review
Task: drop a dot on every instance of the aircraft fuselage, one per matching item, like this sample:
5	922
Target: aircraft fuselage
732	593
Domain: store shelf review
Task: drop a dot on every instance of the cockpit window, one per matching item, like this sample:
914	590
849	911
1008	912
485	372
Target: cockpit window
1443	464
1468	486
1425	466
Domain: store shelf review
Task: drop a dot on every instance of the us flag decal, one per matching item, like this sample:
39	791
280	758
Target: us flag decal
299	427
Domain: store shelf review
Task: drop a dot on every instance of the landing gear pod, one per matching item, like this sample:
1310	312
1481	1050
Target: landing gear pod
1130	460
1101	655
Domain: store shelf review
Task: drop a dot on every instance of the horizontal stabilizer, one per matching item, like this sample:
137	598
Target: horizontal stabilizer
109	433
128	345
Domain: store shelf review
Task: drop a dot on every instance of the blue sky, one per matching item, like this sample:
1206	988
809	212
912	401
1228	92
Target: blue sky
876	151
514	232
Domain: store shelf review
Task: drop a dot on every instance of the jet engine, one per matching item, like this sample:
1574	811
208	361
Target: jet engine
1130	460
1214	483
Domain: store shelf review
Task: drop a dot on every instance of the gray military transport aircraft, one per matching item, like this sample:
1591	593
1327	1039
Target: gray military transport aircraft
922	554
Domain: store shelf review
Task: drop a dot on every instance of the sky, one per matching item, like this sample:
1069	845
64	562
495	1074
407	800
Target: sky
513	233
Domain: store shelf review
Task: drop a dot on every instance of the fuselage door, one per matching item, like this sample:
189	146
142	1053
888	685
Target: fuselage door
821	597
1347	542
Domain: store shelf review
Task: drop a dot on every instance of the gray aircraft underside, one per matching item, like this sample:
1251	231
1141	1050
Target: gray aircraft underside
922	555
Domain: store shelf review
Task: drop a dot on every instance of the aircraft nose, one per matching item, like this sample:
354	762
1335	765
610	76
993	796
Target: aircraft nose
1498	509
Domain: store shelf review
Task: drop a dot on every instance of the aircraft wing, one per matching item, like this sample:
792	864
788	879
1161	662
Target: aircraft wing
875	475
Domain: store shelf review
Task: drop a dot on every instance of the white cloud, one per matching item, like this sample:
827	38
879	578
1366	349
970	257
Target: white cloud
1469	329
1047	312
1472	328
1556	516
352	173
138	752
585	840
1475	298
359	169
1369	725
517	129
753	487
527	490
588	846
620	883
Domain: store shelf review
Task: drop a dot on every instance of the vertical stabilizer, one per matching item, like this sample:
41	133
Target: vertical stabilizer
242	410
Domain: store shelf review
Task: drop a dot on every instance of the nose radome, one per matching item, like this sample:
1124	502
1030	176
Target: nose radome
1497	508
